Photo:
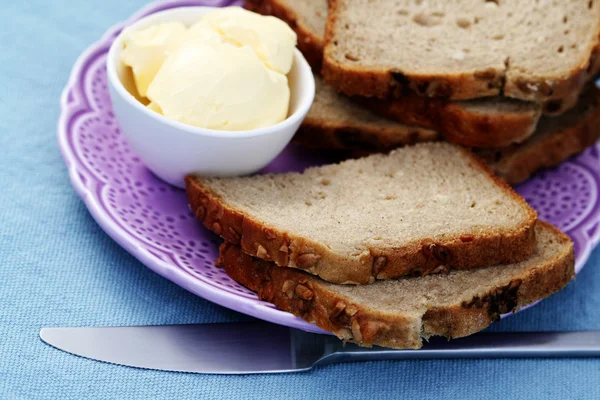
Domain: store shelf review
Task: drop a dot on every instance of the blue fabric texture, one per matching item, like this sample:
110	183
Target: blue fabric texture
58	268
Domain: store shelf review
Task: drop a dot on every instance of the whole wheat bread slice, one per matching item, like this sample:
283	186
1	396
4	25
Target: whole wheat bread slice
377	217
399	313
336	122
555	140
496	122
464	49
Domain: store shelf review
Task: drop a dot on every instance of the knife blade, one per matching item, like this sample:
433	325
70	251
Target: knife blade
261	347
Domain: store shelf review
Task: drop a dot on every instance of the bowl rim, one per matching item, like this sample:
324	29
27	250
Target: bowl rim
306	77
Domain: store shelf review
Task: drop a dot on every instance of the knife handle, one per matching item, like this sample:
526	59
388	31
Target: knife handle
484	345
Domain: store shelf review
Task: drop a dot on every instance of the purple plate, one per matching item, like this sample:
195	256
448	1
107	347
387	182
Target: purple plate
152	221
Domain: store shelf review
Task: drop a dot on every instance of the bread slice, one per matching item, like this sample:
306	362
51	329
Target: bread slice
336	122
399	313
377	217
537	51
555	140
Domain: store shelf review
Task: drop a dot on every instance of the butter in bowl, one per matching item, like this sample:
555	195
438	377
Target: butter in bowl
216	92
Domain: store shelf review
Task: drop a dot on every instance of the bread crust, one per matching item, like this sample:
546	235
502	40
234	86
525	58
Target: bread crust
419	257
354	80
456	123
309	43
326	134
316	303
518	162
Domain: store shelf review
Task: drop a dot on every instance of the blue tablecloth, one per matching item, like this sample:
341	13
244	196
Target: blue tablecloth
58	268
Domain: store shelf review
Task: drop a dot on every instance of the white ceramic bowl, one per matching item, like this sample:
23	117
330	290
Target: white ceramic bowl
172	149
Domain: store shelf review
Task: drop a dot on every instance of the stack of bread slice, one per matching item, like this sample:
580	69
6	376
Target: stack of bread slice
421	238
512	80
387	249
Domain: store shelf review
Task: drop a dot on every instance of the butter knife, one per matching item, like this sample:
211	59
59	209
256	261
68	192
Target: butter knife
261	347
